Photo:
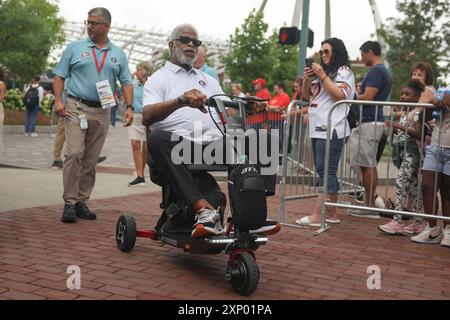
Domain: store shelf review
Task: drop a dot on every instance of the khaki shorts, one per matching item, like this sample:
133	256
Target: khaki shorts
137	131
364	144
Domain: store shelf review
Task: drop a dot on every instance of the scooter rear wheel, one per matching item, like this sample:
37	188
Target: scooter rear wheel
126	233
243	274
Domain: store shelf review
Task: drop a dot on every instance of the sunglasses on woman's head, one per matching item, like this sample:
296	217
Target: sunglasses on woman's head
186	40
324	51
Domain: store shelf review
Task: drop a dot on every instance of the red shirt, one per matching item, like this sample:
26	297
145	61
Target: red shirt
264	94
282	101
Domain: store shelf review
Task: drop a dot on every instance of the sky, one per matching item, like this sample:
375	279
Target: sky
351	20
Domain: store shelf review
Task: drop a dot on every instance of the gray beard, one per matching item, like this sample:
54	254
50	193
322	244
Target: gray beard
182	59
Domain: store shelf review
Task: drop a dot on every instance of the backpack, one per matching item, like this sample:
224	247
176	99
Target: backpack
353	114
247	197
31	97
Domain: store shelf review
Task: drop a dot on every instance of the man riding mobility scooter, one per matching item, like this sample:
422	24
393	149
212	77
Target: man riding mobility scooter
247	227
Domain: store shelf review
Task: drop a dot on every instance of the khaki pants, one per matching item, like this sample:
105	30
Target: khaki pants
83	147
59	139
2	118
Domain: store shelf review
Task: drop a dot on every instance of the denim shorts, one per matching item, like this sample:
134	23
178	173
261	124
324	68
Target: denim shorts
437	159
318	149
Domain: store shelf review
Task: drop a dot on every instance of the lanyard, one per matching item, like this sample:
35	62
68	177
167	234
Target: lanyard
99	69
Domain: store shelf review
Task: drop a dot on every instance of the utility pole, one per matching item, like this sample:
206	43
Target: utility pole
327	20
263	5
377	20
303	46
297	13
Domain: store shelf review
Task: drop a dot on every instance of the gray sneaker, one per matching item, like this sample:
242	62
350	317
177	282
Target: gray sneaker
138	182
363	213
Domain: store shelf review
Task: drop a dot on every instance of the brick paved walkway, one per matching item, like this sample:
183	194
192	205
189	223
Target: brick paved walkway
36	249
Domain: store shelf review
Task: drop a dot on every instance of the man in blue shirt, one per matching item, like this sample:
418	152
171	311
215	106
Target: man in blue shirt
365	138
200	63
87	74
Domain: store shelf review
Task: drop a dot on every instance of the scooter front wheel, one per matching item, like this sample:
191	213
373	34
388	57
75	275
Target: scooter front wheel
243	274
126	233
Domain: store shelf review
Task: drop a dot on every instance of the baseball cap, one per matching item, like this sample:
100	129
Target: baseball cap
261	81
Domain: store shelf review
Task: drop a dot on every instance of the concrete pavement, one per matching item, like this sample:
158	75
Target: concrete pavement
20	188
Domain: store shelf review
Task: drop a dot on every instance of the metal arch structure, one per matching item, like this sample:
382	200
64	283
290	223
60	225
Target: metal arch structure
146	45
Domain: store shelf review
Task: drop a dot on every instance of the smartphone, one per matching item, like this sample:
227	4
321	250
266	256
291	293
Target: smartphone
308	62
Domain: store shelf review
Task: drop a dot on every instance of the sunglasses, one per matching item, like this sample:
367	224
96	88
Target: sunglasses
325	51
186	40
87	22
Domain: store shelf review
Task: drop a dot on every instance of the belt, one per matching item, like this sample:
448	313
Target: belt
89	103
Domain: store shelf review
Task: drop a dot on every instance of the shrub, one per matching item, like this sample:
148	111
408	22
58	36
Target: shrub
14	102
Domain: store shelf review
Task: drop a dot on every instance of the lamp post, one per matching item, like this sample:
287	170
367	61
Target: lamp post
303	46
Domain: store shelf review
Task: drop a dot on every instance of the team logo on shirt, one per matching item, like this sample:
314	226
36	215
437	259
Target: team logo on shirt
315	88
85	55
202	83
113	60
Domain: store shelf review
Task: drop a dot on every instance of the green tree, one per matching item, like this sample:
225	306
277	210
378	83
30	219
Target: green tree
30	29
422	34
286	62
252	53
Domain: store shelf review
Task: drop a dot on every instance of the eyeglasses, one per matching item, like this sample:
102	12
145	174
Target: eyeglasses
186	40
87	22
324	51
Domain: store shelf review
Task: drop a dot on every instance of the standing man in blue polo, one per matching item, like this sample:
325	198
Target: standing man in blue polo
200	63
365	138
90	69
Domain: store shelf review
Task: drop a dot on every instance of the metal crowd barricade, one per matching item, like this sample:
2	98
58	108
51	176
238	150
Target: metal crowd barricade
344	177
298	180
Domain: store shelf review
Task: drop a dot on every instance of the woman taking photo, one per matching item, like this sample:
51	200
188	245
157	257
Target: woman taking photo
324	84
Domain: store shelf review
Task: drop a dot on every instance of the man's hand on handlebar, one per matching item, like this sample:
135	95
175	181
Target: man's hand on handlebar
194	99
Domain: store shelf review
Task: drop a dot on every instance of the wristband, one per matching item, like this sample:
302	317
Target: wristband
130	107
321	80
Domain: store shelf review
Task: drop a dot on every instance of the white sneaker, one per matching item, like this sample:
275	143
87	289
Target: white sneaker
379	202
446	237
207	224
34	135
269	228
27	134
429	235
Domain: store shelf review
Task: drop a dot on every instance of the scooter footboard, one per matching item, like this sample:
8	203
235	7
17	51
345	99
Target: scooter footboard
214	244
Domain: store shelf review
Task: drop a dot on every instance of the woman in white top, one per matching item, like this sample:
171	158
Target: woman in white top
324	84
